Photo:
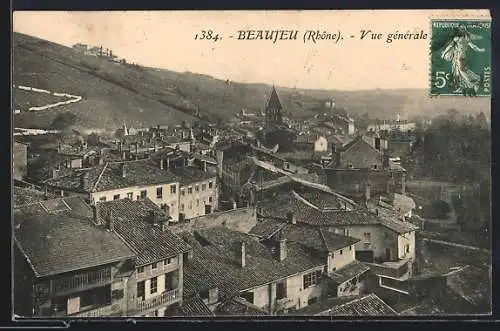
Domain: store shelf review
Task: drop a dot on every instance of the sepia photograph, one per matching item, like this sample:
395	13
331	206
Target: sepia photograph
220	164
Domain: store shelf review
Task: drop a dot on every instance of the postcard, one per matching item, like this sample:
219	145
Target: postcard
259	164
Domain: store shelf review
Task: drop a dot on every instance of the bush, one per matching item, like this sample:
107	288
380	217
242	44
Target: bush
440	209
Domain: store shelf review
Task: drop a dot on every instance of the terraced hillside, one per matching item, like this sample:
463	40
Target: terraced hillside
113	93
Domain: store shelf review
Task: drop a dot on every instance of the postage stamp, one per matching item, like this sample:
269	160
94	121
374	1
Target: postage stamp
461	57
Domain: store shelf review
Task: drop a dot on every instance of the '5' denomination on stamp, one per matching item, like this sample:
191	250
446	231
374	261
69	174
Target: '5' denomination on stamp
461	57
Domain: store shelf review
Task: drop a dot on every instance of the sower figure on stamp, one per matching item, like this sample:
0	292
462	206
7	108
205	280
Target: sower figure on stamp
464	79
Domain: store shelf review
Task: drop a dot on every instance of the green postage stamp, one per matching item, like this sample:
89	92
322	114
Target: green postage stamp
461	57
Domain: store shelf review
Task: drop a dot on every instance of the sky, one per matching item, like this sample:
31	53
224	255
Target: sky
165	39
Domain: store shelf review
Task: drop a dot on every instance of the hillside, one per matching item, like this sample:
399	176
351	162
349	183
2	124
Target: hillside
141	96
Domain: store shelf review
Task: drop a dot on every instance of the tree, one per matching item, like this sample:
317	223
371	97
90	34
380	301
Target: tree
440	209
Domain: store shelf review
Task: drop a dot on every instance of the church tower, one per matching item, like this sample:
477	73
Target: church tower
273	110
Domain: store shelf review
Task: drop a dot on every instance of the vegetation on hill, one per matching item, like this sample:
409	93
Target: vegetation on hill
142	96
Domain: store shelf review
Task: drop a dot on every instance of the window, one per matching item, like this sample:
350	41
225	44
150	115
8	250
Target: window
140	270
407	248
346	232
350	248
210	184
281	290
173	189
203	187
143	194
182	207
386	235
341	252
130	195
197	188
159	192
141	293
155	313
190	190
117	294
366	246
375	166
197	202
154	285
167	261
116	197
209	199
153	266
312	278
183	191
367	236
102	199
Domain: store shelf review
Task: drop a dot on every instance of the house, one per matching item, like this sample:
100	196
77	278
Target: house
67	265
19	160
198	192
358	166
344	275
81	48
344	123
229	264
157	283
397	125
160	179
386	244
460	290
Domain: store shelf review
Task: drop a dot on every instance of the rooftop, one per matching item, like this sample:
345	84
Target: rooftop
312	237
24	196
193	307
215	262
132	224
58	236
368	305
308	213
237	306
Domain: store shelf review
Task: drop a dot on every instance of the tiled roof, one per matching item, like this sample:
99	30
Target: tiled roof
368	305
306	212
349	271
58	236
312	237
131	223
238	307
472	283
195	307
188	175
109	176
217	263
323	305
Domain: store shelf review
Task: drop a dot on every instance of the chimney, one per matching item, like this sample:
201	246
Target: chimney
124	171
168	162
291	217
84	180
95	213
110	221
235	205
282	249
161	163
367	191
242	255
213	295
385	159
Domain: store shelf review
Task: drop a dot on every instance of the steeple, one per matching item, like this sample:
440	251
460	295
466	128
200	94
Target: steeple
273	109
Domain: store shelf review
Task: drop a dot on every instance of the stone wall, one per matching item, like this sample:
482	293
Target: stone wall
241	219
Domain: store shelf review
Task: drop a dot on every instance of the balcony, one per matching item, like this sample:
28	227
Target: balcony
109	310
397	269
166	298
82	281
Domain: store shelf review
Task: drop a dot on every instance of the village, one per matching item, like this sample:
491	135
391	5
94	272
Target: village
262	216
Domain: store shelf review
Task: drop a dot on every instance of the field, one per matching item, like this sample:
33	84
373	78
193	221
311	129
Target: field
142	96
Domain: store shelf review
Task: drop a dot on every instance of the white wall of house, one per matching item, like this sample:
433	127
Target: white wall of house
341	257
406	245
321	144
169	198
193	204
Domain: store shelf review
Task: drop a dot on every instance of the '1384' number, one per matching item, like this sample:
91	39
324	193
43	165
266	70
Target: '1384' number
441	79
